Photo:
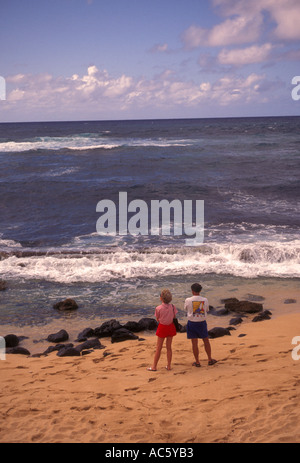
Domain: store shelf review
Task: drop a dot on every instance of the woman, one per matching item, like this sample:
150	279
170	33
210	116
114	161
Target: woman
165	313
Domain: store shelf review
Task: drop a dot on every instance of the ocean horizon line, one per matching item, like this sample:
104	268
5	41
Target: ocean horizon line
152	119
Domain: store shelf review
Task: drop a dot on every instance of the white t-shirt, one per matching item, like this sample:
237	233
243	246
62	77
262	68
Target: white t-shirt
196	308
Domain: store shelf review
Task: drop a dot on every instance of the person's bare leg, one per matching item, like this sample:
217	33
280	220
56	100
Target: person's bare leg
159	345
207	347
169	351
196	350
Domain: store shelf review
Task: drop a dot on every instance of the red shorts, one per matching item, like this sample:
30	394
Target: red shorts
164	331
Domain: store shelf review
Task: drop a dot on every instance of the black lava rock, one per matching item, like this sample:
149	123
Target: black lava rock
67	304
107	329
123	335
11	340
60	336
218	332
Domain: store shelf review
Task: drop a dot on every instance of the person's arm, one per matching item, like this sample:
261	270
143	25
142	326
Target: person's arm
157	314
206	306
186	308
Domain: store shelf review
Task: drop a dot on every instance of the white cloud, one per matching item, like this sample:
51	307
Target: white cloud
97	94
287	16
159	48
232	31
244	23
231	89
285	13
244	56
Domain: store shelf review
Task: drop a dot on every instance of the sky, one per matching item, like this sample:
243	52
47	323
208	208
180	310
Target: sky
66	60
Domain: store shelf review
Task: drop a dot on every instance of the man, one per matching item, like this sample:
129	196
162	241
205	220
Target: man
197	308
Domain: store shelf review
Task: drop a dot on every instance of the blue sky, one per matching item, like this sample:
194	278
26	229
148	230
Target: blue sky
141	59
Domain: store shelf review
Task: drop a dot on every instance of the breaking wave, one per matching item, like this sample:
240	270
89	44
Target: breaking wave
263	259
83	142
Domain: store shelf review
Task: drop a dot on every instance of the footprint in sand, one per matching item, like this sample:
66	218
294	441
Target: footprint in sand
125	349
151	379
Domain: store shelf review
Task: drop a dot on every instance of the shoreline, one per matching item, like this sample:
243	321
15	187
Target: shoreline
251	394
273	293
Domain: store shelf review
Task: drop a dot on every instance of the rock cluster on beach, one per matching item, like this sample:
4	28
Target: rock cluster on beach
89	337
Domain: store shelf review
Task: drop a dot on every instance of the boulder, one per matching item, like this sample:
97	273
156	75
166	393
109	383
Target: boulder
57	347
60	336
222	312
236	321
67	304
243	306
17	350
107	328
229	300
68	352
150	324
265	315
218	332
90	344
86	352
11	340
86	333
133	326
122	335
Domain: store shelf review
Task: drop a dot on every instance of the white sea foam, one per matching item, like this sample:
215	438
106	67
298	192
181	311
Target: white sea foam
61	172
259	260
82	142
55	144
8	243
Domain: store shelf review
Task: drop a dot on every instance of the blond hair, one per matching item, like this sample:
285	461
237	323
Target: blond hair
166	296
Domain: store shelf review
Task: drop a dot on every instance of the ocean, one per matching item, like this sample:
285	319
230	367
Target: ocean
53	175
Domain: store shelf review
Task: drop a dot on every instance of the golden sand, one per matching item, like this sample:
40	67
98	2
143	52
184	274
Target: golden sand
251	395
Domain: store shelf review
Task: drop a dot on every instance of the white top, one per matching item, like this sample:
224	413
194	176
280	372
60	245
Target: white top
196	308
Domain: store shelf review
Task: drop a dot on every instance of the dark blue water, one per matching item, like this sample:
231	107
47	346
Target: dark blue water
53	175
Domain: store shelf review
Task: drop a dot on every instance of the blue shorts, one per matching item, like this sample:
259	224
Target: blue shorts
196	330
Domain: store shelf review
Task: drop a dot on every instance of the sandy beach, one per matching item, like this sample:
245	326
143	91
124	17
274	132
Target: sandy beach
251	395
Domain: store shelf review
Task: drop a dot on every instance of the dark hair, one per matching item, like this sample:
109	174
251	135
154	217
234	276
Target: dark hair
196	288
